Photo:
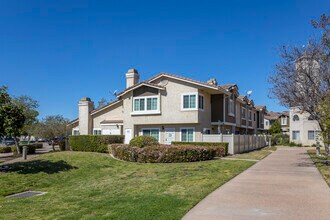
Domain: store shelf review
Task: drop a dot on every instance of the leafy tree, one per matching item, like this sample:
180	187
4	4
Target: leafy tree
102	102
11	117
30	112
52	127
275	128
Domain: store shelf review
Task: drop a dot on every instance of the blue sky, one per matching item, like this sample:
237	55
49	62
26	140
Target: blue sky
60	51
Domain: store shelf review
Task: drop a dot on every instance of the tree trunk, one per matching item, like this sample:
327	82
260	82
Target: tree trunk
17	145
53	145
327	150
318	149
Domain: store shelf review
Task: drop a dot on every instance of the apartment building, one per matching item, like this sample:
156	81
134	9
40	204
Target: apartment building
282	117
171	108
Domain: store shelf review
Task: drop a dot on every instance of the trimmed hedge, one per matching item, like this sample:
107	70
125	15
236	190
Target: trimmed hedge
94	143
162	153
143	141
5	149
31	148
281	139
221	148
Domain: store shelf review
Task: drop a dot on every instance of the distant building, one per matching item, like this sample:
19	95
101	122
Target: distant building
303	128
282	117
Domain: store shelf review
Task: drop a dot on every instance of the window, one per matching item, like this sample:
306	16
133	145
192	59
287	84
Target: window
295	135
187	134
190	101
295	118
146	104
250	115
200	102
231	107
97	131
283	121
152	103
311	135
266	123
153	132
243	112
76	132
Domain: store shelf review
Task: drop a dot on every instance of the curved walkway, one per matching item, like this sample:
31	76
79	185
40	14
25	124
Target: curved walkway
285	185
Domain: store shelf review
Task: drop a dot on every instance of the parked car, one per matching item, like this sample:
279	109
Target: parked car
7	141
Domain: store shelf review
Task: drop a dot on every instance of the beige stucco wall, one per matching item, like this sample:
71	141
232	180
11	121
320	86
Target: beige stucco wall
114	112
303	125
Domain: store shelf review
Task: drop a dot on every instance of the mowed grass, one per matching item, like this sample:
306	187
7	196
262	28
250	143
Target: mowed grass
322	163
95	186
255	155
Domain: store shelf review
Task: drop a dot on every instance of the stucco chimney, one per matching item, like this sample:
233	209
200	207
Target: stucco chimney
85	119
132	77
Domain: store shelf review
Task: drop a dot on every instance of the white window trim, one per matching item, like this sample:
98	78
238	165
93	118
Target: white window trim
143	129
284	119
145	111
97	129
188	128
229	110
189	109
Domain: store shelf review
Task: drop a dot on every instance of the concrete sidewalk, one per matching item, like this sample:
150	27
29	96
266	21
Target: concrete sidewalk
285	185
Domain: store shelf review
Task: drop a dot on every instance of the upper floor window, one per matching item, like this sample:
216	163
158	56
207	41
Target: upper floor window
283	121
231	107
200	102
192	100
250	115
295	118
146	104
243	112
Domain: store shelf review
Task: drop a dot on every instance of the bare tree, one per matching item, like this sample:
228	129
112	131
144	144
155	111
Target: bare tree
302	78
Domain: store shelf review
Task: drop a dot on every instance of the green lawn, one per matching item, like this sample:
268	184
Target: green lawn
255	155
92	185
320	163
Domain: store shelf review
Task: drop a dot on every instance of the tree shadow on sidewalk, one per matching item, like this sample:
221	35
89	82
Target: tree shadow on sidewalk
37	166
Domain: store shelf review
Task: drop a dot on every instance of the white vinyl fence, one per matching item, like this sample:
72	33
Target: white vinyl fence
238	143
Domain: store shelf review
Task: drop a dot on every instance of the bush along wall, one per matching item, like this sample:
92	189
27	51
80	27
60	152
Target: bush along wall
221	148
94	143
162	153
5	149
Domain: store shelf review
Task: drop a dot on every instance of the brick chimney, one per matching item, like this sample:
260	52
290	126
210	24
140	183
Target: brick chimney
85	119
132	77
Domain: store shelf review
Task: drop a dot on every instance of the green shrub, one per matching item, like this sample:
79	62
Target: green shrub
31	148
5	149
143	141
62	145
93	143
162	153
221	148
280	139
